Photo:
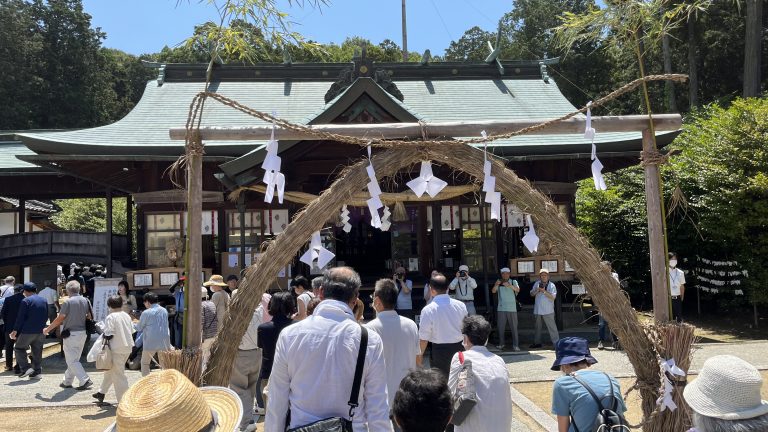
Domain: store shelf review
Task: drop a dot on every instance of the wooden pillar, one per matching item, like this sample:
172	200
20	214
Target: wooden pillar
223	236
241	214
193	329
437	236
22	215
659	278
141	238
108	241
129	224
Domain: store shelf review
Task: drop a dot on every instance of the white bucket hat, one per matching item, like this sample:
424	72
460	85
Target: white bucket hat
727	388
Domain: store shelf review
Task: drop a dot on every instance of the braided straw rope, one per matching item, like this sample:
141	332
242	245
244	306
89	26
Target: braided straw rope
199	100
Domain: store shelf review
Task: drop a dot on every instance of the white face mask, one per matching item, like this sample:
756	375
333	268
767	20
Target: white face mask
673	263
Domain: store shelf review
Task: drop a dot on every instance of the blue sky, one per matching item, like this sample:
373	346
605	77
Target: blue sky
145	26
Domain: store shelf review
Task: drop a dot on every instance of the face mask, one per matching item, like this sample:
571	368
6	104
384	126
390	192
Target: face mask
673	263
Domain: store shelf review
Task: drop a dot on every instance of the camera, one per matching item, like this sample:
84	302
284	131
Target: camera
462	273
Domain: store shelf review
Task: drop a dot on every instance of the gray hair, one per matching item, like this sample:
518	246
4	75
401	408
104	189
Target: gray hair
10	279
73	287
477	329
341	283
703	423
47	283
317	282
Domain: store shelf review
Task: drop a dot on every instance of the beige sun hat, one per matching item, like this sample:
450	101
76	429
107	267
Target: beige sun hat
167	401
217	280
727	388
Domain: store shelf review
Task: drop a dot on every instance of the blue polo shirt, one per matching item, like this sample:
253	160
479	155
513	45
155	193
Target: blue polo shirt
33	315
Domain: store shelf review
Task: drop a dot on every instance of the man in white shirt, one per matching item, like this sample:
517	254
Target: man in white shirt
399	335
245	372
51	297
315	362
492	412
676	287
441	325
463	288
545	293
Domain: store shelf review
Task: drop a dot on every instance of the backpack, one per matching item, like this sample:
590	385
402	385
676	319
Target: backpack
608	419
465	397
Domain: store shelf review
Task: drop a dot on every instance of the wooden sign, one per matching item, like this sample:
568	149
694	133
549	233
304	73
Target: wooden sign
530	266
158	279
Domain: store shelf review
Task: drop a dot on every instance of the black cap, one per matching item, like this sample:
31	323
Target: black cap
30	286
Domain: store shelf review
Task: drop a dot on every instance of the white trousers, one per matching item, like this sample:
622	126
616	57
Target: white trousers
116	376
73	349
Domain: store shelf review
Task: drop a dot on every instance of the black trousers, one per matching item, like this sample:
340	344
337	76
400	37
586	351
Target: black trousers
677	309
441	355
408	313
8	345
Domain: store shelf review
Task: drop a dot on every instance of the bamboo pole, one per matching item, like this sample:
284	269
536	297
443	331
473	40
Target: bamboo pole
631	123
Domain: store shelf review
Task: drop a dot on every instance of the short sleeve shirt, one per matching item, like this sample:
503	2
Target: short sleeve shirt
543	305
570	398
507	297
676	278
75	309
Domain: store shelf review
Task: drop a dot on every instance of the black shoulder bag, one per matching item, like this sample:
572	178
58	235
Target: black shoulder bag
340	424
608	419
90	323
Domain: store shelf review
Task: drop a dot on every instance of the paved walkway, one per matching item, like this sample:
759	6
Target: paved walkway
25	393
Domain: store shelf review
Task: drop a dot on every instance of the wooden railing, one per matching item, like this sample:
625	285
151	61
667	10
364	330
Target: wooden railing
54	246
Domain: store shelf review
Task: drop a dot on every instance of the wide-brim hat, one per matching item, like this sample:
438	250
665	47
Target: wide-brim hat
727	388
569	350
167	401
217	280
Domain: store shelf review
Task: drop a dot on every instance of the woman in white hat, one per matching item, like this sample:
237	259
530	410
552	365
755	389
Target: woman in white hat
167	402
726	397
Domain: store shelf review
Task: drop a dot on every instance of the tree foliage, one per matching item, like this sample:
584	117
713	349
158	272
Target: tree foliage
90	214
56	72
722	173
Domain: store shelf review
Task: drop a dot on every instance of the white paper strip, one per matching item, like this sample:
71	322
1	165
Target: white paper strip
426	182
374	203
317	252
530	239
274	179
597	166
345	219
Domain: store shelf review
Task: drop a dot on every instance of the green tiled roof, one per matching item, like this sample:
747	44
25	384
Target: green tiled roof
8	160
144	131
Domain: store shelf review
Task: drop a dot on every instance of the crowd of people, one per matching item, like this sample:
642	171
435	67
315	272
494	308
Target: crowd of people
308	358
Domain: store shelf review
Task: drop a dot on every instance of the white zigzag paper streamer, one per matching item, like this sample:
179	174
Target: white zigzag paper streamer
489	186
385	223
426	182
345	219
316	252
274	179
530	239
374	203
597	166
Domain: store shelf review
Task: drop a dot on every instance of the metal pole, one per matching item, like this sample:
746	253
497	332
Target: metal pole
405	37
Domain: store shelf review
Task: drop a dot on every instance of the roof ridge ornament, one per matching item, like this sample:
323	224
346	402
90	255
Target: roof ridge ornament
495	52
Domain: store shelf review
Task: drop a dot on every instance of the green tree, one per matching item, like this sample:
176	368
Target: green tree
90	214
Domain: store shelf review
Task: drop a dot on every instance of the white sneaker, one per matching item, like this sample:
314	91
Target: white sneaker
516	349
500	347
600	345
27	373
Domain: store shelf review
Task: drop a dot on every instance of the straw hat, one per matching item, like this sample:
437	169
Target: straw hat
217	280
727	388
167	401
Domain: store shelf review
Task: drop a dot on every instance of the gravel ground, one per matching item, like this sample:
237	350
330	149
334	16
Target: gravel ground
40	405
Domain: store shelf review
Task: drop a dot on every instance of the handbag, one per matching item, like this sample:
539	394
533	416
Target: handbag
465	397
90	324
340	424
104	357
